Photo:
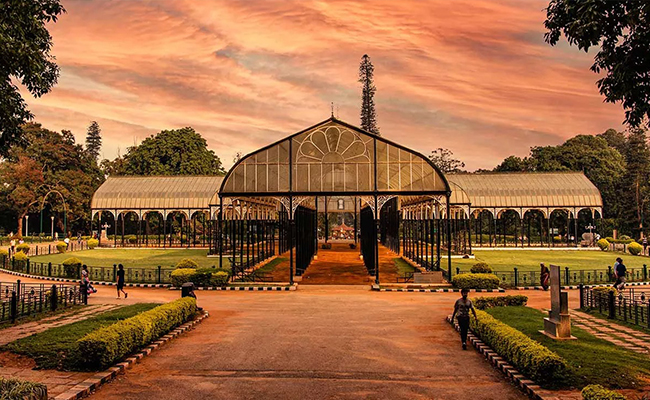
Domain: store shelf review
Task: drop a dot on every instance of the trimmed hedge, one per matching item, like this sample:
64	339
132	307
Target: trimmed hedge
92	243
483	303
103	347
597	392
528	356
201	276
72	267
23	247
220	278
182	275
603	244
61	247
634	248
4	252
481	268
15	389
187	263
604	291
475	281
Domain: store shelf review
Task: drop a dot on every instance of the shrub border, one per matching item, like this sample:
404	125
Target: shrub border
378	288
91	384
529	387
587	286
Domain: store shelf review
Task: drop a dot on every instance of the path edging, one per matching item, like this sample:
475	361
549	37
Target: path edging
575	287
377	288
269	288
526	385
91	384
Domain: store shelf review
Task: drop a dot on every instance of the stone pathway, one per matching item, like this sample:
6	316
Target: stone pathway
617	334
13	333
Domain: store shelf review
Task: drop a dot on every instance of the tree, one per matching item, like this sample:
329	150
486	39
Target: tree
368	114
174	152
25	46
444	159
513	164
634	187
68	137
621	32
94	140
20	185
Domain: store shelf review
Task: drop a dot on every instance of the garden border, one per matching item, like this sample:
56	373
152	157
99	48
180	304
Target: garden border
101	283
529	387
573	287
91	384
377	288
265	288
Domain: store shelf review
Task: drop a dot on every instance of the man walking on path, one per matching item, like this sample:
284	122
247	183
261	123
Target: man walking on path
620	270
120	281
461	309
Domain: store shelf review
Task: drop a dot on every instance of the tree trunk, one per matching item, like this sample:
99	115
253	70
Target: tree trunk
21	217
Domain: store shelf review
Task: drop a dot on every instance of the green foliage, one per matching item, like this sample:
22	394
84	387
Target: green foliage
187	263
557	239
603	244
15	389
603	291
483	303
634	248
3	253
57	346
61	247
23	247
182	275
475	281
445	161
102	348
26	58
20	256
220	278
481	268
597	392
94	140
174	152
92	243
202	276
368	113
528	356
72	267
618	30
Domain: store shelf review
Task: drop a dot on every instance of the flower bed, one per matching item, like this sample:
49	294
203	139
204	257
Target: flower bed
11	389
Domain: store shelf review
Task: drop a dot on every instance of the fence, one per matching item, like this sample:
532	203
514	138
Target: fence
630	306
50	248
517	278
26	299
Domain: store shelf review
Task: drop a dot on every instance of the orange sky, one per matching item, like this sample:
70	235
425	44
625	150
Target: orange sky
472	76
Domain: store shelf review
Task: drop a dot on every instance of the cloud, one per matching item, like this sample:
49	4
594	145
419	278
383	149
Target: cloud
474	76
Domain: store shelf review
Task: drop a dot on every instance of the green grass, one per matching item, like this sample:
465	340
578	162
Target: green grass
591	360
61	312
528	260
403	267
135	258
54	348
270	266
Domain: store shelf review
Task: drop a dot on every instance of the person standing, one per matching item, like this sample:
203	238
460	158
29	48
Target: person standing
621	272
120	281
645	245
12	243
544	276
461	311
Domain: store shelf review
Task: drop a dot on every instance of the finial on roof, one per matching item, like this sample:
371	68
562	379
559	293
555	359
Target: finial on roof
332	108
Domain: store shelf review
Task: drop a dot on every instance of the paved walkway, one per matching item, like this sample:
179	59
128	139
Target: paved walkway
619	335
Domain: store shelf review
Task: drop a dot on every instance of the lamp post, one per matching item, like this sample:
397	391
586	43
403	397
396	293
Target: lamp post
52	237
26	225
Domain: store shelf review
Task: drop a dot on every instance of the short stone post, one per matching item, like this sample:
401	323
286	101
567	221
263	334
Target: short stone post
610	306
13	309
581	287
558	324
645	273
516	277
114	272
54	298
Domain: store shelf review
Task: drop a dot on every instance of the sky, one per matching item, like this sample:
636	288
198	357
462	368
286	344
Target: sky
472	76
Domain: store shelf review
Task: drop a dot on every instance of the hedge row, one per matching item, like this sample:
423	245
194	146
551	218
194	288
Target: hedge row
103	347
475	281
483	303
528	356
201	276
597	392
15	389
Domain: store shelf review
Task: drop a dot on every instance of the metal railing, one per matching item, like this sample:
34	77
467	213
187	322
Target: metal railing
18	300
632	306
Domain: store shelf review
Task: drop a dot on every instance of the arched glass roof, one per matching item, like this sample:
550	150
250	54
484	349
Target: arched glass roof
334	157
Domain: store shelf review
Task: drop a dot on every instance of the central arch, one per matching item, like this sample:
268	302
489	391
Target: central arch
284	181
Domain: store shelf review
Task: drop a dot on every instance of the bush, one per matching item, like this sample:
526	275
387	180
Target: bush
597	392
528	356
481	268
3	253
483	303
131	239
475	281
23	248
187	263
20	256
634	248
92	243
61	247
103	347
182	275
557	239
603	244
15	389
202	276
603	291
220	278
72	267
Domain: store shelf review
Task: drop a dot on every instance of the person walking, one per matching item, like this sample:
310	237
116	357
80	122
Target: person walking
544	276
645	245
461	311
621	271
12	243
120	281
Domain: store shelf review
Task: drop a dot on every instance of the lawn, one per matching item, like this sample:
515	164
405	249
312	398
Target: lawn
528	260
591	360
403	267
269	267
53	347
135	258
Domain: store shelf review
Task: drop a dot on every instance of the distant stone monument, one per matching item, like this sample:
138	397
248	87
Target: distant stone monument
558	324
103	236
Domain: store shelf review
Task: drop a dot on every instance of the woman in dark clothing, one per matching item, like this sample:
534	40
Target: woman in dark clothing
461	309
544	276
120	281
